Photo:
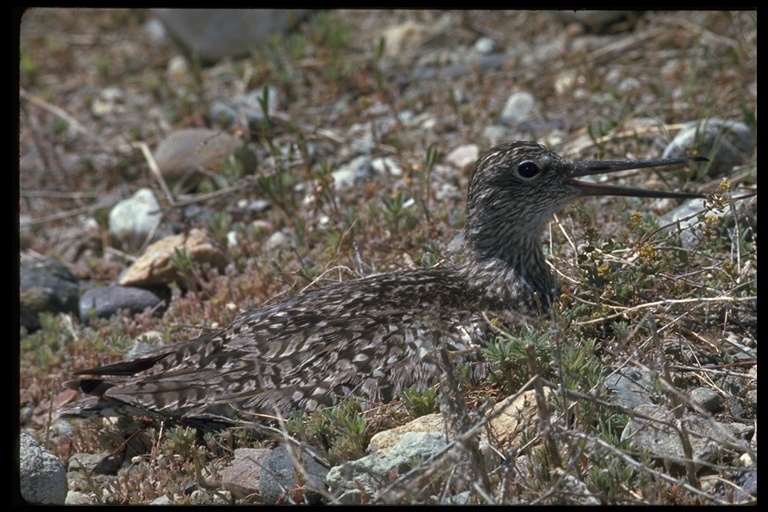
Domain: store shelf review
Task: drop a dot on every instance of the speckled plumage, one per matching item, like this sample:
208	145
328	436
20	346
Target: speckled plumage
375	336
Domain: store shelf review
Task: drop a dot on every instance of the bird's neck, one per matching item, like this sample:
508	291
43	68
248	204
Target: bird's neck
510	268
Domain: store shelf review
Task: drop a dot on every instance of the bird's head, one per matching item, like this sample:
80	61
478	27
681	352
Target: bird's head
515	188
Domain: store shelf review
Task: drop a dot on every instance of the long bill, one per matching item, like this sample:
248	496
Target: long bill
590	168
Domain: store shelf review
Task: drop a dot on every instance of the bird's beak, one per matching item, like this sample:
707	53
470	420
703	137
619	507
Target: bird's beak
593	167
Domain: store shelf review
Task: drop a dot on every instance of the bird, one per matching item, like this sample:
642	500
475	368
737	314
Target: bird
374	336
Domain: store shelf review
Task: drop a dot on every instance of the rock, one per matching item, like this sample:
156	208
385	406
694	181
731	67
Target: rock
391	452
382	442
155	30
161	500
133	220
707	399
265	476
630	387
629	84
574	491
686	217
278	483
386	165
186	156
463	157
93	463
515	420
496	134
155	265
80	498
246	106
279	241
403	37
45	285
357	170
109	101
206	497
108	301
484	45
42	478
374	472
519	106
177	70
709	438
732	142
254	206
242	477
213	34
745	489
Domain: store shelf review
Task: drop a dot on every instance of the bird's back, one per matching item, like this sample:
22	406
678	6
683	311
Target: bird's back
369	338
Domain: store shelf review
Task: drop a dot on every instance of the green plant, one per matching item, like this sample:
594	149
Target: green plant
398	213
507	352
340	431
420	401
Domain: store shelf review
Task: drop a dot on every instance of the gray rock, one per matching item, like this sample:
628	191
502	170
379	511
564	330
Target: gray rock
134	219
361	139
386	165
709	438
255	205
519	106
279	241
156	31
45	285
459	499
372	472
351	497
93	463
630	387
746	486
177	69
463	156
217	33
575	491
686	217
726	143
108	301
492	62
206	497
109	101
357	170
495	134
241	479
42	478
246	106
484	45
278	478
80	498
629	84
708	399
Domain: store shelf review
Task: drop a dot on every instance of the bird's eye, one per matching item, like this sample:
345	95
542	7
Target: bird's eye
528	170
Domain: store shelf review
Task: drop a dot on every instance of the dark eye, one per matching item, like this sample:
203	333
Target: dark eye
528	170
